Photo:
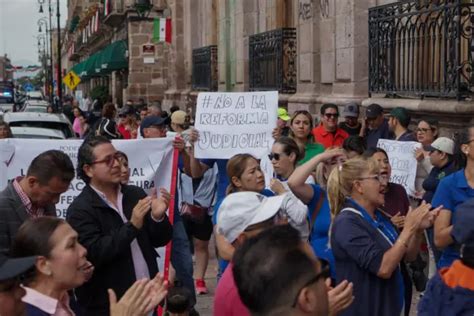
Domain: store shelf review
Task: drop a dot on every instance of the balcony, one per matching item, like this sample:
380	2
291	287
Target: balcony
272	61
116	13
422	49
205	68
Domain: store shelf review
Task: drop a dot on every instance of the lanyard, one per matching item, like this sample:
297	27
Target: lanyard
379	223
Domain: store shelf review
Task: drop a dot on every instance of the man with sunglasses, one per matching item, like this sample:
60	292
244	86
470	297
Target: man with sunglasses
328	133
35	194
11	273
119	225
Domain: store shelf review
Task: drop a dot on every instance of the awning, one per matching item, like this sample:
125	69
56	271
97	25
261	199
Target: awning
111	58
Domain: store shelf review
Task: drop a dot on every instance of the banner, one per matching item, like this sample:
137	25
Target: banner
403	162
234	123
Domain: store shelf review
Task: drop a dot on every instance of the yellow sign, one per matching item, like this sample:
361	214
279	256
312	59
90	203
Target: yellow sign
71	80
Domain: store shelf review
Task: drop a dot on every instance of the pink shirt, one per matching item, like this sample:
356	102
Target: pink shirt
227	300
48	304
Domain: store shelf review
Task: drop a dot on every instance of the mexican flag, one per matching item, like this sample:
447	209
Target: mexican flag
162	30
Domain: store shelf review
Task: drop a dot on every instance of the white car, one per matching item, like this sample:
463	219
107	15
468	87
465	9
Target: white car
43	120
36	106
34	95
36	132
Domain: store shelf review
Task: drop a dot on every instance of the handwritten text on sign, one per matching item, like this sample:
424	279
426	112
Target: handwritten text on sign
233	123
403	162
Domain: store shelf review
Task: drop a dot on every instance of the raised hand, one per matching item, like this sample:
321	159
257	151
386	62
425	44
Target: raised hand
160	204
340	297
139	211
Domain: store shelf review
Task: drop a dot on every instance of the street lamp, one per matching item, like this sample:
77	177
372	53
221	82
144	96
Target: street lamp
47	29
41	5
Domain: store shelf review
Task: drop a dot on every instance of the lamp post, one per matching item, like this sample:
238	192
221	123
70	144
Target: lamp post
59	77
143	8
44	22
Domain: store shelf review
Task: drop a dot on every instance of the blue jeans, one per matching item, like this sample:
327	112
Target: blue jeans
181	257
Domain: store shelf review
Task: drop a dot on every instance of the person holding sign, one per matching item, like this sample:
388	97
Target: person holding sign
367	247
301	125
119	225
452	191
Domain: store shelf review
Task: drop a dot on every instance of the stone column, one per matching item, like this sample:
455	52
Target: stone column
309	56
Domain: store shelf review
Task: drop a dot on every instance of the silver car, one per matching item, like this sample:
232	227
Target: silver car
36	132
42	120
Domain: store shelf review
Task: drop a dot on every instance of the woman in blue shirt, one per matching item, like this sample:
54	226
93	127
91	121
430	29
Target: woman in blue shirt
365	244
453	190
315	197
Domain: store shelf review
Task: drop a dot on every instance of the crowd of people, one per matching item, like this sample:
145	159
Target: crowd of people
328	234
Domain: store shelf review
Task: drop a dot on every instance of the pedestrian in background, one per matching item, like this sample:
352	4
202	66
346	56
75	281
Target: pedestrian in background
5	130
328	133
301	125
351	122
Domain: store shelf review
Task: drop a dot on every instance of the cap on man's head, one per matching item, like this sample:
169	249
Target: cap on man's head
152	120
443	144
373	111
283	114
402	115
240	210
178	117
351	110
13	267
463	226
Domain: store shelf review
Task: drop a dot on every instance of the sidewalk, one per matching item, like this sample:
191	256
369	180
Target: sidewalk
205	302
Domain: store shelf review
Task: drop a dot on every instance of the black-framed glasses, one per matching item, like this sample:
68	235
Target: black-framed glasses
324	273
109	160
382	178
331	115
275	156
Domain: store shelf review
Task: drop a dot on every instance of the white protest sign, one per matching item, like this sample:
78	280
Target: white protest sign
234	123
403	162
150	162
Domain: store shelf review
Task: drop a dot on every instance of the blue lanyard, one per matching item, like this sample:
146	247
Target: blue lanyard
380	223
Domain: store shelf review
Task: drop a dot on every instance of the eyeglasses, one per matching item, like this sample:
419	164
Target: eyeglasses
109	160
324	273
333	115
422	130
379	177
275	156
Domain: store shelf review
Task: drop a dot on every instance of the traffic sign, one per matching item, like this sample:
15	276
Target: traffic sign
71	80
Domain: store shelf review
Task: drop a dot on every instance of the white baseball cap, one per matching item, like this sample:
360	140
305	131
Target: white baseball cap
243	209
443	144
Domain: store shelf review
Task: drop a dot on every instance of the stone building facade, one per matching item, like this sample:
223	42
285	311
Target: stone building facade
331	53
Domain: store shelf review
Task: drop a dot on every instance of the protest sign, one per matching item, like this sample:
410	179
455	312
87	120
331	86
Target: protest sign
403	162
234	123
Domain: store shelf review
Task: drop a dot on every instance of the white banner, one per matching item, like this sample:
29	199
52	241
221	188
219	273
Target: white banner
150	162
233	123
403	162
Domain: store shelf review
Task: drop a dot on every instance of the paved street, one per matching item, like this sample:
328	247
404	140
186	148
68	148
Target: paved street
205	302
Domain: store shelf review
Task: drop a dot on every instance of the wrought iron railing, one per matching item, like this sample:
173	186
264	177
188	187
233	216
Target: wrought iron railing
272	61
205	68
422	48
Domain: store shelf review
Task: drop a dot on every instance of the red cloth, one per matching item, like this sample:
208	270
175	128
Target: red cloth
458	275
328	139
123	130
226	299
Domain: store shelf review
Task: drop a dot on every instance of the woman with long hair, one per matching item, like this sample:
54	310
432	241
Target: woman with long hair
366	246
301	125
314	196
426	134
5	130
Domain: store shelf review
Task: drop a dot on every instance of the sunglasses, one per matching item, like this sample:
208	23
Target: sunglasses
382	178
274	156
422	130
333	115
109	160
324	273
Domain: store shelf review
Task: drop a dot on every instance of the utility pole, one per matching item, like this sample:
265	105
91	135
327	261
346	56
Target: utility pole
59	79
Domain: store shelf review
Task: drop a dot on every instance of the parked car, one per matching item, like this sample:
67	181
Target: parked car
7	103
42	120
35	106
36	132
